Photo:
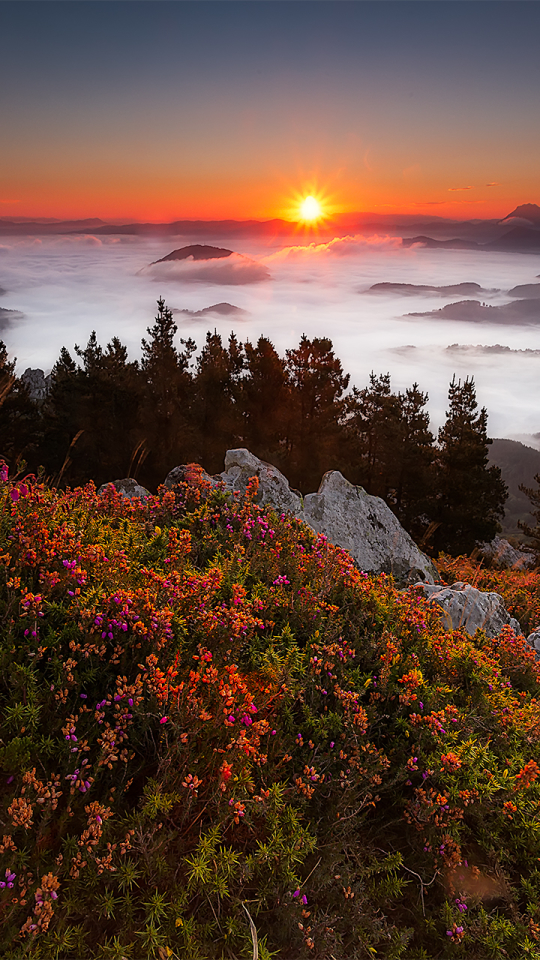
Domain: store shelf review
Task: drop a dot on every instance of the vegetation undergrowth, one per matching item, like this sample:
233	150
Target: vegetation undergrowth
215	730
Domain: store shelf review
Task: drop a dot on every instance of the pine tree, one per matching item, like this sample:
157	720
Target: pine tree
317	383
217	411
19	416
415	458
265	399
470	494
166	420
374	432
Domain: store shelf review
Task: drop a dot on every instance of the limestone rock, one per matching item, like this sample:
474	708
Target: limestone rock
350	518
127	487
37	383
465	606
241	465
534	640
183	473
365	527
503	555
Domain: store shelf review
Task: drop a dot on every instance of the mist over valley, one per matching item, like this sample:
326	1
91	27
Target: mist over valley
378	299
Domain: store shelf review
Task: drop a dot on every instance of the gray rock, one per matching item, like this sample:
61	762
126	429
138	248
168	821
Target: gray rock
534	639
465	606
365	527
503	555
241	465
36	381
127	487
350	518
179	474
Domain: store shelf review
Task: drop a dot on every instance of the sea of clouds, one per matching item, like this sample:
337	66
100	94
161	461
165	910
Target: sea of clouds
56	290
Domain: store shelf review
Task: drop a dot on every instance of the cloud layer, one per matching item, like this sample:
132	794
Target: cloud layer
230	271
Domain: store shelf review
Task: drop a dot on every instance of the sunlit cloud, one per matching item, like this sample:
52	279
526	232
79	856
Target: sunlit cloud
459	189
338	247
494	183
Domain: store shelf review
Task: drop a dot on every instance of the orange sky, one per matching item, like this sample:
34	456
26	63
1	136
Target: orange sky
149	111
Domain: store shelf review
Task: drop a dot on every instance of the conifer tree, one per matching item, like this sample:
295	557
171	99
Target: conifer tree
166	421
317	383
415	457
217	411
373	431
19	416
110	398
470	494
265	402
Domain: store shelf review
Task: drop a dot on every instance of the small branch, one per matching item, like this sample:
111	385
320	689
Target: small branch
423	883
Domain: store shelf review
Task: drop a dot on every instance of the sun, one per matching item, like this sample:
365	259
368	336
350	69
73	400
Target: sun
310	209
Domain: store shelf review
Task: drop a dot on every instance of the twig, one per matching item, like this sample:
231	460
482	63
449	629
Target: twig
423	884
312	872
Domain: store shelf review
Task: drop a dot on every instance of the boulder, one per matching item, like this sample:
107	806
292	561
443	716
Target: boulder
365	527
350	518
534	640
128	487
465	606
37	383
500	553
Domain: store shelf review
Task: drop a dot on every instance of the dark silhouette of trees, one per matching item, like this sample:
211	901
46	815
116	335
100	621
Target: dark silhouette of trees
470	495
413	494
166	430
217	410
106	417
266	399
389	448
90	416
317	383
373	433
19	428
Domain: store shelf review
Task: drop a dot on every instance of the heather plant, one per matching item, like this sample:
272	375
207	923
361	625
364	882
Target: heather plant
220	739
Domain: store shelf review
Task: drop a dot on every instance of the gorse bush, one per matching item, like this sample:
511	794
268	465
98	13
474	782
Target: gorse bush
220	739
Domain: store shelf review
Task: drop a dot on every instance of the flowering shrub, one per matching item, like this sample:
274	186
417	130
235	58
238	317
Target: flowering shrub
215	728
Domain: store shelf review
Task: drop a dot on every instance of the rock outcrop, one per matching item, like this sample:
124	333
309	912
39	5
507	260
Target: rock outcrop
37	383
128	487
350	518
500	553
465	606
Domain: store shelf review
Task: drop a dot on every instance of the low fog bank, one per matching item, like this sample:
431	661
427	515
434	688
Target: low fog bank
61	288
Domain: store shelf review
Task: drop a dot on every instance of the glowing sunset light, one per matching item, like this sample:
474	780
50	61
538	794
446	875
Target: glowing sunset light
310	209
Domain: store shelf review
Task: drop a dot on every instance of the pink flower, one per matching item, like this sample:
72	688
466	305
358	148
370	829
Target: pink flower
14	494
164	720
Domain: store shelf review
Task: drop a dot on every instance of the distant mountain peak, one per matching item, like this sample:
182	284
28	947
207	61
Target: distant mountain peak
525	211
197	251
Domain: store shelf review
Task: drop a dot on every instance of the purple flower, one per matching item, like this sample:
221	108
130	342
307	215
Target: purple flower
304	900
296	893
